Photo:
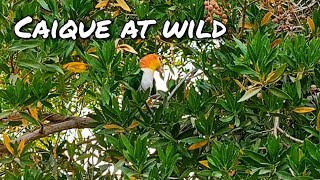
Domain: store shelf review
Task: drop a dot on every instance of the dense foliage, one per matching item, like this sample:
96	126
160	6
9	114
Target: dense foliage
249	110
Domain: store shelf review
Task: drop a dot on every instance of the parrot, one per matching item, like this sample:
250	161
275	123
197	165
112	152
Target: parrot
144	80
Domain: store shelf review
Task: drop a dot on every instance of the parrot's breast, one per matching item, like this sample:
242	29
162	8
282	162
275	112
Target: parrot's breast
147	79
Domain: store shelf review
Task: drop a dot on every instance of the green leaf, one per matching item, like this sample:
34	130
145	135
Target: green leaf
166	135
284	175
274	76
279	93
257	157
5	114
31	64
242	69
23	45
3	20
29	118
312	131
242	46
54	68
251	92
226	118
192	140
126	143
44	5
84	156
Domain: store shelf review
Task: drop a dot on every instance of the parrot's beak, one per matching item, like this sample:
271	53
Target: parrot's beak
160	70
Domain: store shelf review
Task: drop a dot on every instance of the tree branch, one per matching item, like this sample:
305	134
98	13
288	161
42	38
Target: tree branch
288	136
191	73
63	123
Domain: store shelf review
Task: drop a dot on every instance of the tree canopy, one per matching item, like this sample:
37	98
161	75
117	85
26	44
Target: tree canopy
243	106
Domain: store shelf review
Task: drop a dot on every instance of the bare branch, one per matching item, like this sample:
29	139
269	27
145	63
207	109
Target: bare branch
63	123
191	73
290	137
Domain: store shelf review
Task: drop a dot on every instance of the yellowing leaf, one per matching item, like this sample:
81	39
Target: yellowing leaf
116	13
204	163
102	4
276	42
39	105
91	50
27	79
123	5
248	26
251	92
254	82
132	178
24	122
126	47
198	145
266	18
299	76
275	76
6	141
11	15
133	124
74	53
318	121
75	67
241	151
34	113
114	126
21	146
303	109
311	24
138	41
239	84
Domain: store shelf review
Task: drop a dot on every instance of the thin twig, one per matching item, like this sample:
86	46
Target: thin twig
243	20
275	125
181	82
290	137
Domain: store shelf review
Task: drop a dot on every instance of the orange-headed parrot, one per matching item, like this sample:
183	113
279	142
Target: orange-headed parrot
144	80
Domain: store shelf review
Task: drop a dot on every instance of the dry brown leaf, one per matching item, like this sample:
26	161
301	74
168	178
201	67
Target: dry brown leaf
128	48
75	67
123	5
204	163
276	42
303	109
133	124
266	18
115	127
102	4
311	24
198	145
6	141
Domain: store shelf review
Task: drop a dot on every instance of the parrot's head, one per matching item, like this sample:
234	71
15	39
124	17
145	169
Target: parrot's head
152	62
